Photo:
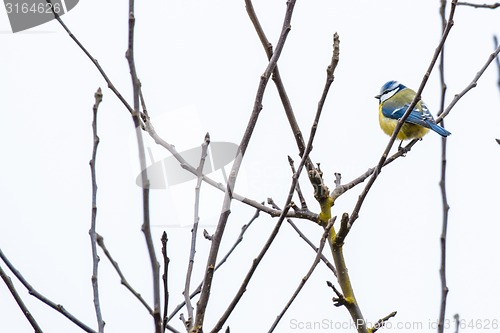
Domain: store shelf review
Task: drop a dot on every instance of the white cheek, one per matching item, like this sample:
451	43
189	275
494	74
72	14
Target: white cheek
387	95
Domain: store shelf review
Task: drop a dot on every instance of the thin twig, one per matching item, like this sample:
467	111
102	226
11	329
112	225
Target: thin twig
303	204
194	231
92	231
339	299
123	280
301	235
243	287
490	6
471	85
497	59
217	238
172	329
381	322
304	237
457	322
239	239
442	186
295	178
166	262
306	277
355	213
341	189
146	223
8	282
58	307
94	61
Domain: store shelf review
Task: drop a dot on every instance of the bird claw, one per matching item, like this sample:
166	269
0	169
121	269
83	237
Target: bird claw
402	149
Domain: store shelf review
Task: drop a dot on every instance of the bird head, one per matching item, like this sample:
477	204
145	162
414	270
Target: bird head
388	90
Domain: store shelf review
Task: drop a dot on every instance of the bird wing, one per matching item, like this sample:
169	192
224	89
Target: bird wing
420	115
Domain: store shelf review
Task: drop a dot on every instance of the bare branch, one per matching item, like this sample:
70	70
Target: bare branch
490	6
172	329
58	307
457	322
471	85
194	231
92	231
238	240
307	276
136	117
381	322
341	189
497	59
301	235
303	204
123	280
321	191
442	186
343	230
8	282
166	262
339	300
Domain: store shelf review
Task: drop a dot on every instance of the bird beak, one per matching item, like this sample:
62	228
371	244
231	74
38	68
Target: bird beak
377	97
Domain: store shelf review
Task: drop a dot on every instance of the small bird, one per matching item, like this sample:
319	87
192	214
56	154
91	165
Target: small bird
394	100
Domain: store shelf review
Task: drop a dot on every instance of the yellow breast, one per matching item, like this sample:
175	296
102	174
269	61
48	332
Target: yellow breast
408	131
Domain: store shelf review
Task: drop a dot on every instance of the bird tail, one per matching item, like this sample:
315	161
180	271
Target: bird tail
439	130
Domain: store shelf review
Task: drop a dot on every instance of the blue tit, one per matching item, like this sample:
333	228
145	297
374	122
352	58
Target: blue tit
394	101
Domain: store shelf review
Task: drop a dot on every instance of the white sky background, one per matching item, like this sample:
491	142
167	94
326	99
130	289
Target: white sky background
200	63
